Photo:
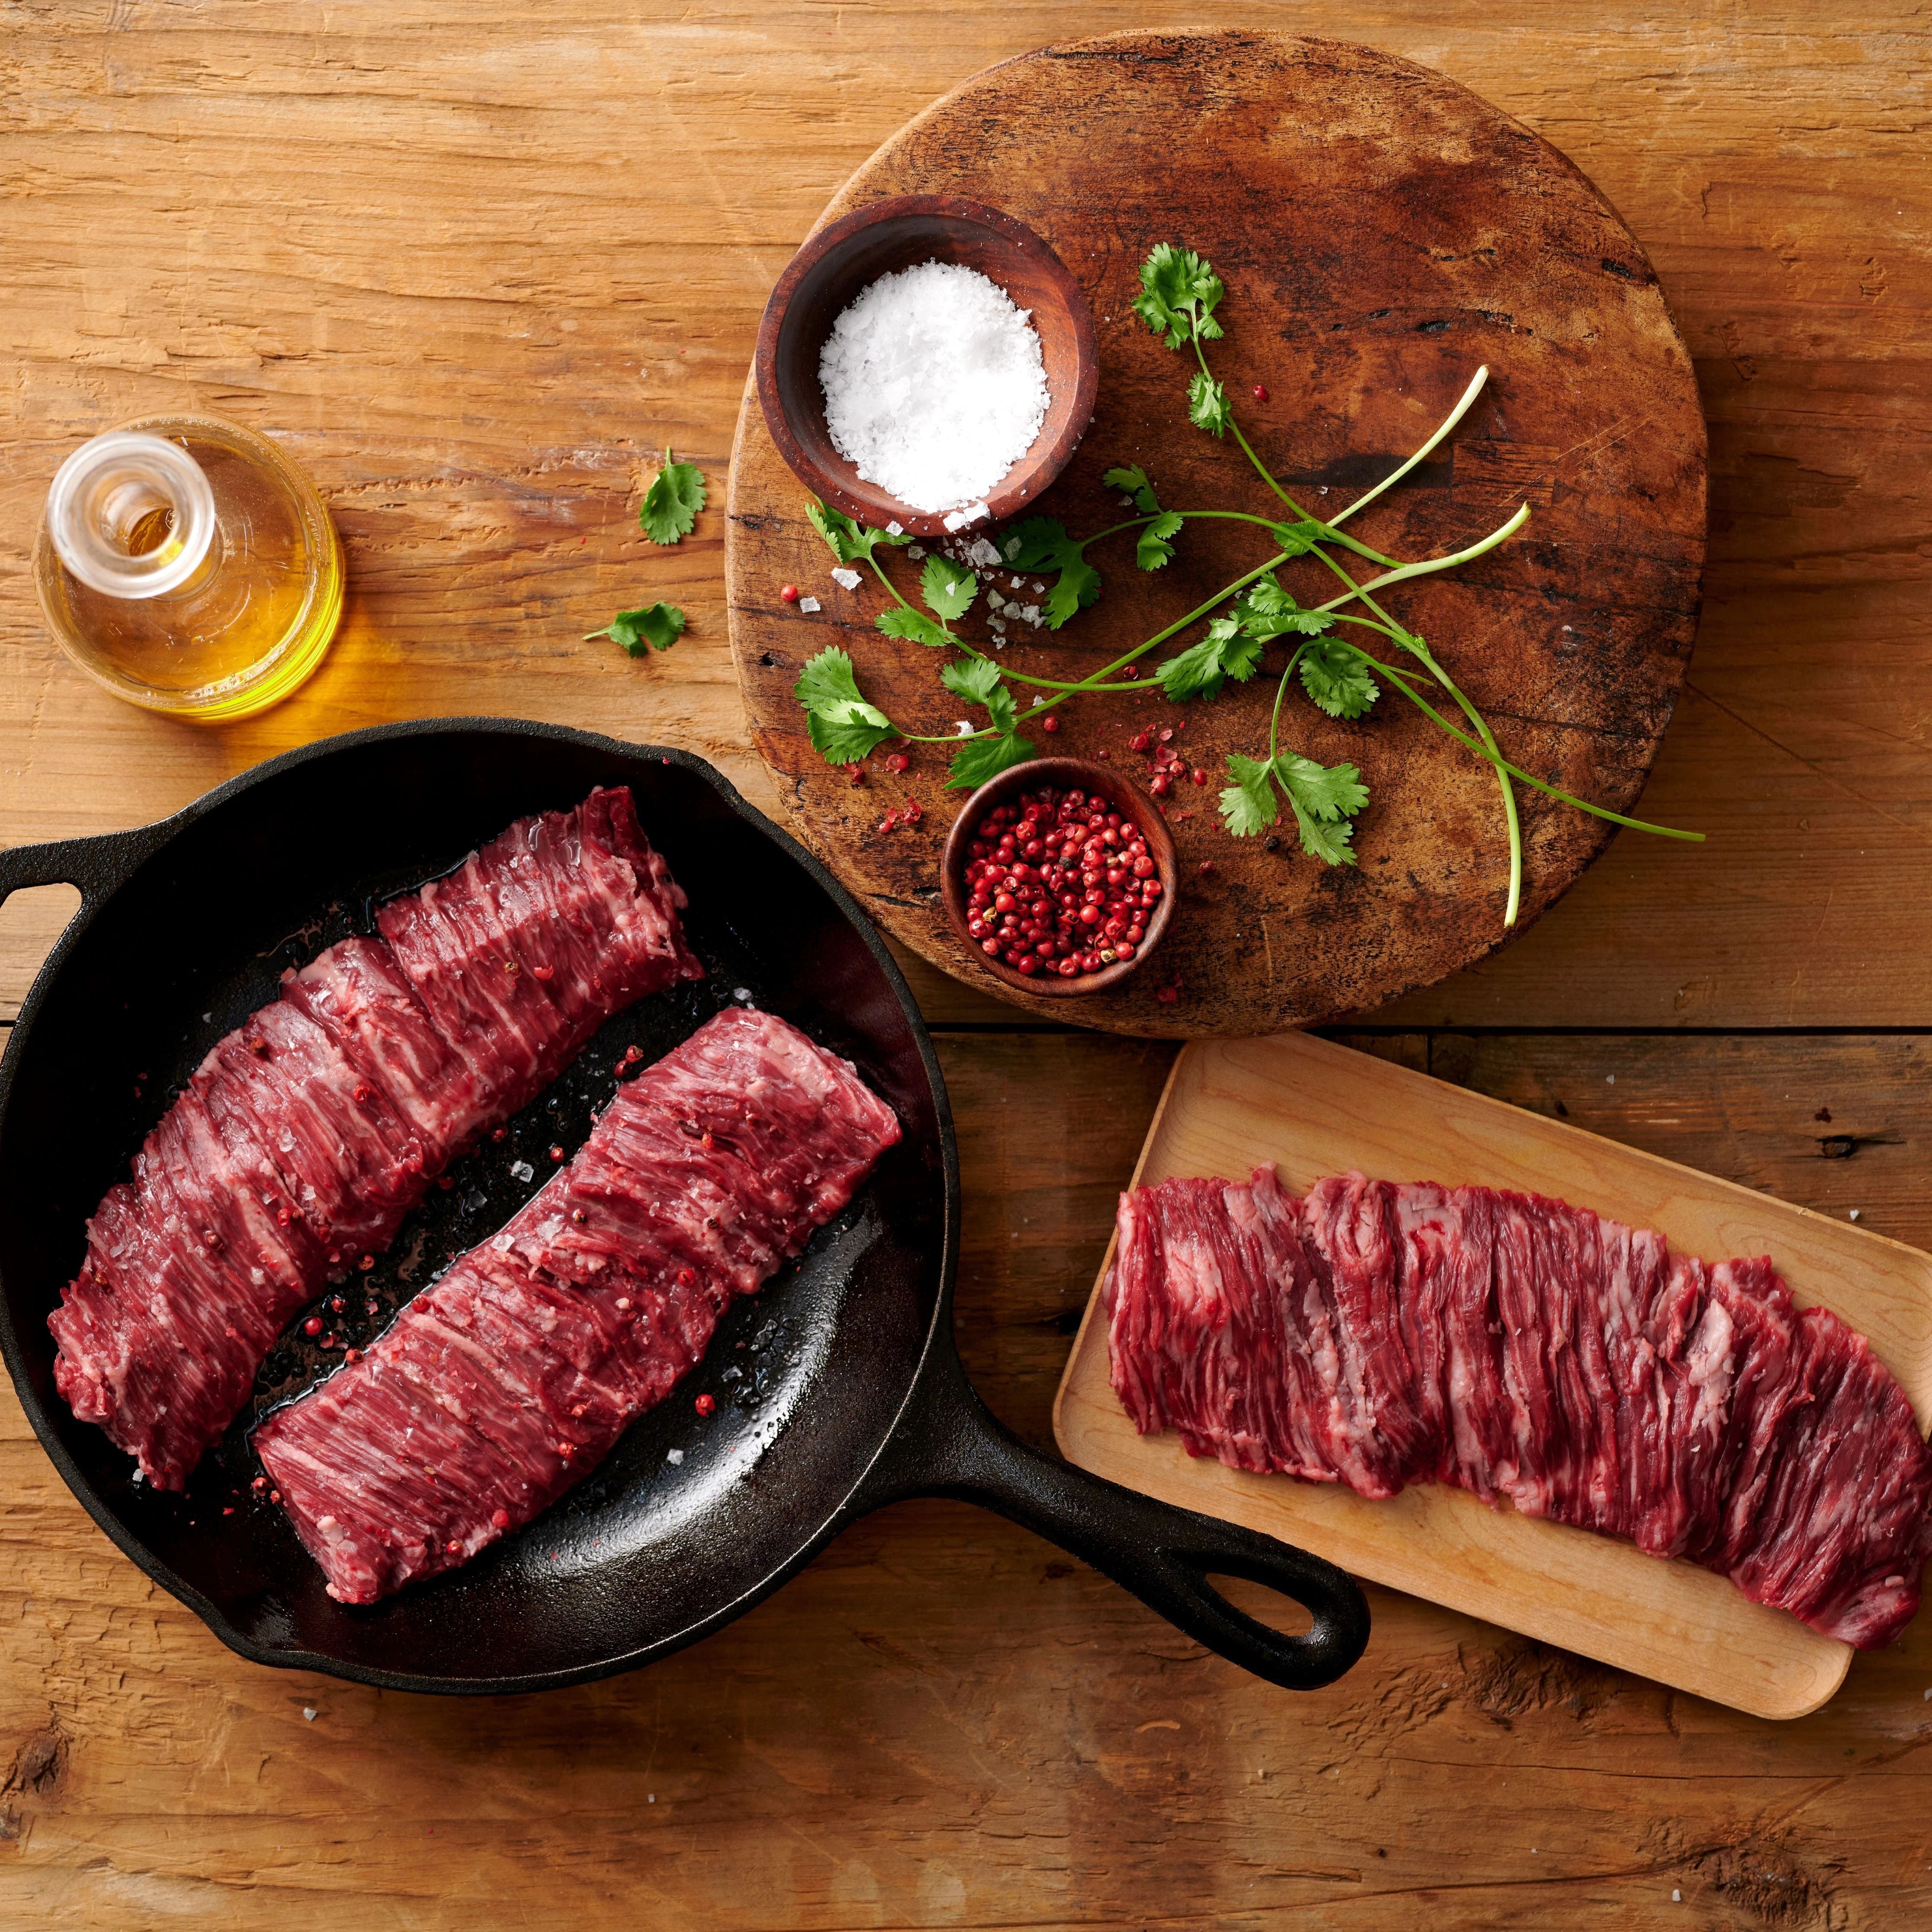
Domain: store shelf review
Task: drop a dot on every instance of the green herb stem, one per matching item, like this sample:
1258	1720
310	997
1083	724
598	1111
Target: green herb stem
1400	679
1395	476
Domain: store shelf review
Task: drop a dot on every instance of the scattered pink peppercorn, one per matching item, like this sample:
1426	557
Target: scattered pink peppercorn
705	1404
898	761
1261	392
501	1519
1208	865
313	1326
1049	723
1199	777
788	593
857	773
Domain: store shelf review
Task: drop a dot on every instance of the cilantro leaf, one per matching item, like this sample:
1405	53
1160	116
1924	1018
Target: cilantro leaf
1207	404
672	502
1153	548
1038	543
843	726
1336	679
977	680
1323	800
980	759
656	627
948	588
847	541
1041	543
900	620
1133	479
1226	652
1330	844
1298	539
1248	806
974	678
1325	792
1265	609
1178	293
1078	585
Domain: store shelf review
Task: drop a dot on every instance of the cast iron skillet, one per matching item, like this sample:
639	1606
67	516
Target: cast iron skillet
838	1388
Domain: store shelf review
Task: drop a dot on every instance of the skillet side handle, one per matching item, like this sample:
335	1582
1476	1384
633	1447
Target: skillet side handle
952	1446
94	866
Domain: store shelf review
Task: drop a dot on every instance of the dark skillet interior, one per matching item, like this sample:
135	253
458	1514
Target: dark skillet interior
807	1376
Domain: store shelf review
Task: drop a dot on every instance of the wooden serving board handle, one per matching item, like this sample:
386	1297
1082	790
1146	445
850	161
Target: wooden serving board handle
1316	1108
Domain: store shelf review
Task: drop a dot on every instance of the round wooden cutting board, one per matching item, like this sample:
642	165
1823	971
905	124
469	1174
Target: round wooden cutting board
1382	232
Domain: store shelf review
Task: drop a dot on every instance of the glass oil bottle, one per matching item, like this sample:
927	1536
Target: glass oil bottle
188	564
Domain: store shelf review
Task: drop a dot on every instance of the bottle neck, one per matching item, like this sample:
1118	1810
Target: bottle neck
132	515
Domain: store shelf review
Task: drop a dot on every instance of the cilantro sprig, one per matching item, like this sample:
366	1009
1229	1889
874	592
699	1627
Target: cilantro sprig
1335	666
656	627
670	506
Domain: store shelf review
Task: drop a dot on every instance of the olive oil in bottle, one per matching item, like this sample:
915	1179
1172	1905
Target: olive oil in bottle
188	565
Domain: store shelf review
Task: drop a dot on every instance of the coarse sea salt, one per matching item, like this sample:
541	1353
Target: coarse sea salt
935	387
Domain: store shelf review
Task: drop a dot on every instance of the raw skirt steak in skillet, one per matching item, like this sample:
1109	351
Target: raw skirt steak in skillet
307	1134
1378	1334
512	1377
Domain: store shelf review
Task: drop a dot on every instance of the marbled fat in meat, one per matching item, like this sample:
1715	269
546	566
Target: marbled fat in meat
1520	1347
307	1135
512	1378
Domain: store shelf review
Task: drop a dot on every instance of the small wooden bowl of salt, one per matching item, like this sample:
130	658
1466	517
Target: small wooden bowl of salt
927	362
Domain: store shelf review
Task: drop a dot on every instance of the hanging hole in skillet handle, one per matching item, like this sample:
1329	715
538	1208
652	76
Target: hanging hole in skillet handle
950	1445
31	927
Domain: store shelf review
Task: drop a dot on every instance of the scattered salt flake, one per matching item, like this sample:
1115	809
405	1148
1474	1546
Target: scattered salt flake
973	513
1676	1897
1030	614
1854	1214
650	1797
808	603
743	995
1610	1079
963	726
915	551
674	1456
1038	588
895	529
308	1714
847	579
206	1017
1038	701
523	1170
981	553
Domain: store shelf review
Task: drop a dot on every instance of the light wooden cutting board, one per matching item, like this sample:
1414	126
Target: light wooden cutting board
1315	1108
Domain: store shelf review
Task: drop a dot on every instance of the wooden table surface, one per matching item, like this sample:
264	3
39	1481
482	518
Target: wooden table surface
475	261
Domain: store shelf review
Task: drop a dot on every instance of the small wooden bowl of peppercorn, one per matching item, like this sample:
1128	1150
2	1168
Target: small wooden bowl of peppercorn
843	258
1056	862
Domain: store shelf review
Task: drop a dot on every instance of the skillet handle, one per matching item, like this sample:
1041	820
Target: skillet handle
951	1445
95	865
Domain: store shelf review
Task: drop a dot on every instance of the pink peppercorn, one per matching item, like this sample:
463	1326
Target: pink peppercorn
789	593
